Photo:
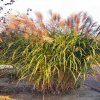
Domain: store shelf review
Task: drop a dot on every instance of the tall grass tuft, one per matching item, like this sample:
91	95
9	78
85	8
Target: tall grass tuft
51	59
52	66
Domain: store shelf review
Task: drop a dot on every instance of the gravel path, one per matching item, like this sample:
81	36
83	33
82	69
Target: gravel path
23	92
84	93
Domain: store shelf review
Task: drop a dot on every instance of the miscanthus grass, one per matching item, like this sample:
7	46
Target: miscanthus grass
58	65
54	56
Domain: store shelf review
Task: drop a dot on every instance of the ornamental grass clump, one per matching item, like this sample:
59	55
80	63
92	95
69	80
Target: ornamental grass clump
55	61
5	98
52	66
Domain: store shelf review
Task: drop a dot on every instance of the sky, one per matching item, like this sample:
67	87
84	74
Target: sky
63	7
